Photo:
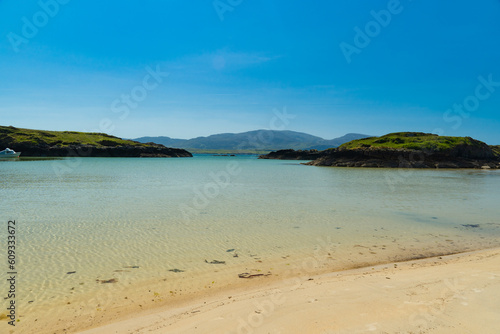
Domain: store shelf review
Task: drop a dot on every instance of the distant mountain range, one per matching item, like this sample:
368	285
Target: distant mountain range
258	140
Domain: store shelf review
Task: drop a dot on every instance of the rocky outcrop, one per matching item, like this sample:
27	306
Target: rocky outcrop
496	149
458	157
464	152
293	155
38	143
40	150
153	150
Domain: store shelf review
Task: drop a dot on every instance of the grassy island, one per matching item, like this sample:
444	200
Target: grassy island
60	143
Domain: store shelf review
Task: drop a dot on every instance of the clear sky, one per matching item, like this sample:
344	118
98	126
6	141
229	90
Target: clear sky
340	66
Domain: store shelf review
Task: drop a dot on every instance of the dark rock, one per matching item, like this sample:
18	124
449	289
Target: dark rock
105	281
404	158
293	155
215	262
108	143
75	150
250	275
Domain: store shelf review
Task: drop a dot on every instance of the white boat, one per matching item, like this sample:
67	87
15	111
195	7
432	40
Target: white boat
9	154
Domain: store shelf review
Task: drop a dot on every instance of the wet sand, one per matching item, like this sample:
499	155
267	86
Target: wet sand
448	294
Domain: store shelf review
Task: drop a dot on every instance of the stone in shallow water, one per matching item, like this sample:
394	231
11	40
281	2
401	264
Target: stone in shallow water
111	280
250	275
215	262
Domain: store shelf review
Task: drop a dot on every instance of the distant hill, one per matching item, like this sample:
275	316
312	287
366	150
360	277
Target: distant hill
258	140
326	144
166	141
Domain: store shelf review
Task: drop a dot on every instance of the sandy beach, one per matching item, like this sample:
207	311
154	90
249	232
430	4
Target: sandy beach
449	294
246	167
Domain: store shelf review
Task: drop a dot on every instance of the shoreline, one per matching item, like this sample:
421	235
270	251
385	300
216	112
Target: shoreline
415	295
74	310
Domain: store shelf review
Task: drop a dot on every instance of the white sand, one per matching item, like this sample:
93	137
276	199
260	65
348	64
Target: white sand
452	294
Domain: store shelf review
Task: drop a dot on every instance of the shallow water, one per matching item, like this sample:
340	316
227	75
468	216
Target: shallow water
134	220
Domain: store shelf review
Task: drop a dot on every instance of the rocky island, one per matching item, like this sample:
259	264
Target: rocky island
404	150
38	143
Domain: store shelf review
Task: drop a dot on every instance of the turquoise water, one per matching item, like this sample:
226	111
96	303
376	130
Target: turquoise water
101	217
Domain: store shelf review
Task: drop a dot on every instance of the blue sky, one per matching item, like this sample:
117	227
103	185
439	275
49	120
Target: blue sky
231	64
